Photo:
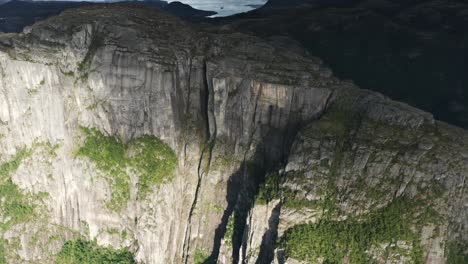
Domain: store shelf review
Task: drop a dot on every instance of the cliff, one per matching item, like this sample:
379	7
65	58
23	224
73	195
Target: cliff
412	51
129	135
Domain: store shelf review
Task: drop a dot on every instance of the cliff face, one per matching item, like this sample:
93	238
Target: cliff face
131	128
388	46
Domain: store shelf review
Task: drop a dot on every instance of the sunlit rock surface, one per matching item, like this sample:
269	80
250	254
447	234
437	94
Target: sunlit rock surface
266	140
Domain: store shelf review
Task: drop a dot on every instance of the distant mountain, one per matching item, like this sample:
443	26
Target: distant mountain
184	10
16	14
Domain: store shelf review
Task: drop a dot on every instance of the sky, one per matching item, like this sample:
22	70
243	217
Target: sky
229	6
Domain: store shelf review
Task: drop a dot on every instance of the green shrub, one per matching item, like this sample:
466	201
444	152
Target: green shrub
333	240
269	190
154	161
109	155
88	252
228	236
11	166
148	157
200	256
15	207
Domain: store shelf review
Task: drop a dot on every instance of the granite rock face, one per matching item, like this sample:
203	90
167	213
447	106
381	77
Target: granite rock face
388	46
240	114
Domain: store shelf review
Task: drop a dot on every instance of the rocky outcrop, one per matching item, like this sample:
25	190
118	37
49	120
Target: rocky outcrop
126	126
369	167
388	46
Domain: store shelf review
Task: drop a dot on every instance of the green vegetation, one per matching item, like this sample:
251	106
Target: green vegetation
147	157
11	166
269	190
200	256
228	236
88	252
456	252
15	207
342	117
69	73
2	251
42	82
109	155
123	234
33	91
153	160
92	107
334	240
218	209
355	238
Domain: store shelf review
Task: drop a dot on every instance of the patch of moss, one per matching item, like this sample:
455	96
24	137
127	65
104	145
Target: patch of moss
456	252
269	190
69	74
88	252
123	234
332	240
12	165
325	205
33	92
148	157
229	231
200	256
153	160
2	251
223	161
15	207
211	207
92	107
109	155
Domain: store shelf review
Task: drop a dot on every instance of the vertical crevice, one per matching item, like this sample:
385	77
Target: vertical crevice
269	155
189	86
206	98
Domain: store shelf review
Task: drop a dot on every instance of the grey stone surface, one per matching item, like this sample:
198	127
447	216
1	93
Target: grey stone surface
221	100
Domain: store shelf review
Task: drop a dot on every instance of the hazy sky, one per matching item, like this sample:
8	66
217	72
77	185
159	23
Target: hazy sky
229	6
